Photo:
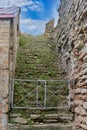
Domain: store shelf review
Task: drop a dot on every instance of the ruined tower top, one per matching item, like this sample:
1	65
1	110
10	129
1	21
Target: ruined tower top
49	28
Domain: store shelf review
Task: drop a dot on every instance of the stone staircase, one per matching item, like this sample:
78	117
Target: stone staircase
52	116
56	120
37	60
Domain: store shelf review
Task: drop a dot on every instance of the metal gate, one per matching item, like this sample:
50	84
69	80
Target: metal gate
40	94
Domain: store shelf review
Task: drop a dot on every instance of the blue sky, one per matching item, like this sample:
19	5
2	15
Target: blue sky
34	13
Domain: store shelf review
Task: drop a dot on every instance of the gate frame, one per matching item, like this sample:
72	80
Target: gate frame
44	107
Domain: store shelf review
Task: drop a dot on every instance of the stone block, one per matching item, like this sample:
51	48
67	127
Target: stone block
78	110
51	116
4	81
84	126
85	105
78	90
2	127
14	115
4	55
41	127
85	58
84	91
20	120
34	116
84	97
82	84
50	121
83	112
84	77
78	103
66	117
78	97
13	127
5	108
3	119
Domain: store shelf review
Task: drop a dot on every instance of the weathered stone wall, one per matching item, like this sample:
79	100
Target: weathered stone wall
4	71
71	39
8	48
14	31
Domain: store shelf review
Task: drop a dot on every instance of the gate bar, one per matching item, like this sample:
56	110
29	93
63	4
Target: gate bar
12	93
69	92
37	94
40	108
45	95
37	80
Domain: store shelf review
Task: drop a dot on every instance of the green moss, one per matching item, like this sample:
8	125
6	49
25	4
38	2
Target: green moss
11	121
30	122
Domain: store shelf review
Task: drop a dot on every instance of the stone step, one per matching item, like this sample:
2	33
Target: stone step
41	126
66	117
50	121
34	116
51	116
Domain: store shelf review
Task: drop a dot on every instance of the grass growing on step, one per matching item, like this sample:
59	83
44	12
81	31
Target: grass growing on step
12	121
36	59
22	41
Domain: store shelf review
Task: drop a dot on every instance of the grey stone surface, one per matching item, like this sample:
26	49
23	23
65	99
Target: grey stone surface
34	116
50	120
15	115
42	127
51	116
85	105
71	46
20	120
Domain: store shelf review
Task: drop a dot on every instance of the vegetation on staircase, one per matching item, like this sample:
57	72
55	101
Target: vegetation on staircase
37	60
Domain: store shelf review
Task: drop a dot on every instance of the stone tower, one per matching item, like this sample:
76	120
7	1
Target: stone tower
49	28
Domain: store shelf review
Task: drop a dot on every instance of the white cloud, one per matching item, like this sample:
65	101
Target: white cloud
34	27
55	13
24	9
8	3
32	5
27	25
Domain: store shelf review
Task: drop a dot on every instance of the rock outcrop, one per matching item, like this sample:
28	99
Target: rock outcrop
71	45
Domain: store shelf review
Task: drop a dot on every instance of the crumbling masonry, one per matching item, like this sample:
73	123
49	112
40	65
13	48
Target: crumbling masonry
71	45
